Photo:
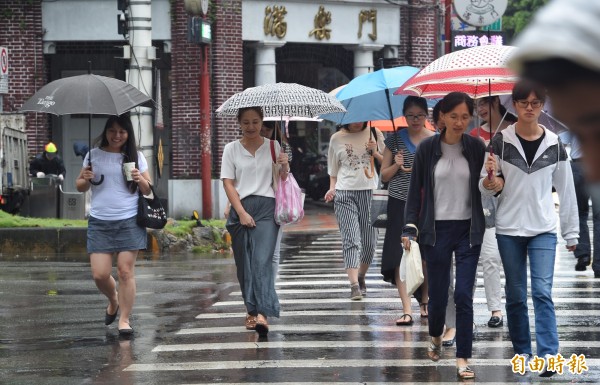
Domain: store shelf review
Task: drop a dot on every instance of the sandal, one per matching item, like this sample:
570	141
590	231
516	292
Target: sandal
250	322
400	321
465	373
423	306
434	351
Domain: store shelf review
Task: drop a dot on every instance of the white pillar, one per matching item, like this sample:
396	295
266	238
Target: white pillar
140	75
363	57
265	64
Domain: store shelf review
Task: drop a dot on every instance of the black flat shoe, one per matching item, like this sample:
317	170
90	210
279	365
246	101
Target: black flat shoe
110	318
126	332
496	322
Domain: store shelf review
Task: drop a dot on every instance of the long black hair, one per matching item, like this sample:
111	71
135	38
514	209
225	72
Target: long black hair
128	150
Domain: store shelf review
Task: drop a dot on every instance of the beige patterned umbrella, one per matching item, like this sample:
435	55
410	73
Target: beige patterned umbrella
283	99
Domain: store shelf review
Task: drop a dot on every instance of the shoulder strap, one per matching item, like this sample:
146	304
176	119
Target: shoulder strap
273	157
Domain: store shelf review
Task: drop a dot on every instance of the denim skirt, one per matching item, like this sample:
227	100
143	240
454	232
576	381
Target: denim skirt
114	236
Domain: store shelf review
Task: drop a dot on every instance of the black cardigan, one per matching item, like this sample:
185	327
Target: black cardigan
420	209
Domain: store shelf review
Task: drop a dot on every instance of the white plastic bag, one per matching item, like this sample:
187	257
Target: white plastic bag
411	268
289	202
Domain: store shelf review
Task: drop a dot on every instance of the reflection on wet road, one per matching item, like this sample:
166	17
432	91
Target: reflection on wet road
189	326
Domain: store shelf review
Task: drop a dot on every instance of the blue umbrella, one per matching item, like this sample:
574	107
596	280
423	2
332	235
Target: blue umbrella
370	96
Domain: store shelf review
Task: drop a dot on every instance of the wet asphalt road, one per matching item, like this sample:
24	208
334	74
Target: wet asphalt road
188	320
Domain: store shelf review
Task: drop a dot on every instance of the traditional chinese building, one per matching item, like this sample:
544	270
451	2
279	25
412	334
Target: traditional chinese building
319	44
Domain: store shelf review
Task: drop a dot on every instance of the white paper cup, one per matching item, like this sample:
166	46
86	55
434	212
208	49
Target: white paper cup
127	167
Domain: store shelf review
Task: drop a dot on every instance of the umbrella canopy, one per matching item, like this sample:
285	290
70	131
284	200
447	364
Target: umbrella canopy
478	72
85	94
399	122
369	96
282	99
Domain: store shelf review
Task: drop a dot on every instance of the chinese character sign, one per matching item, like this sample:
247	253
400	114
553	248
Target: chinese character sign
273	24
462	40
371	17
322	19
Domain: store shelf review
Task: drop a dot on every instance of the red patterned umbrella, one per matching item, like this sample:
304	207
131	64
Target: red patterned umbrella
478	72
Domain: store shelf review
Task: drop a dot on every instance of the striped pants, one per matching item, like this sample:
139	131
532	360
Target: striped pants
352	209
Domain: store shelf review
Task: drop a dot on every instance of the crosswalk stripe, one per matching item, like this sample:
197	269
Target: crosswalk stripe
389	300
507	345
332	328
366	312
319	363
389	289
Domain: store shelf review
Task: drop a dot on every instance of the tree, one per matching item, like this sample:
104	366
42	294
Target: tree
518	14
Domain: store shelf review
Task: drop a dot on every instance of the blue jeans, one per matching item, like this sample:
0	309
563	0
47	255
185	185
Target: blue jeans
584	246
452	237
542	251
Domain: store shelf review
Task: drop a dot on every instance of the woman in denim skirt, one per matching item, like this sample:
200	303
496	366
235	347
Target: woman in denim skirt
112	227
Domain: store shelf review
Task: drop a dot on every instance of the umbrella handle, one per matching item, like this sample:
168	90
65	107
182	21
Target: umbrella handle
490	175
98	182
95	183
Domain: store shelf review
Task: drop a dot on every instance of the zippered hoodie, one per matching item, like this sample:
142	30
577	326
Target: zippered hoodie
525	205
420	204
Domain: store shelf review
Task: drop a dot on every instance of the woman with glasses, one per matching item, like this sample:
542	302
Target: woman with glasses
444	212
528	161
398	157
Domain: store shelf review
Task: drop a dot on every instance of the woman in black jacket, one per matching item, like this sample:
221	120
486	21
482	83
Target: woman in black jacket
444	211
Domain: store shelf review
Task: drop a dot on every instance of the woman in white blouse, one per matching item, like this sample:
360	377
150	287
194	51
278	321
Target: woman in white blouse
246	173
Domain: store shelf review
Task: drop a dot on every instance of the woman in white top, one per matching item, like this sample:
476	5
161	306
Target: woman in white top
351	186
112	226
246	173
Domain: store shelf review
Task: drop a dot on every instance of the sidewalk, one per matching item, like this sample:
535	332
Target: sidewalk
318	218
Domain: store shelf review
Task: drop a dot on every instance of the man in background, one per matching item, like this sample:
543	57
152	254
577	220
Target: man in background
48	162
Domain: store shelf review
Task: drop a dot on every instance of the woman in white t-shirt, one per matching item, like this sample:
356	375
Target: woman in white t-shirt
112	227
351	186
246	173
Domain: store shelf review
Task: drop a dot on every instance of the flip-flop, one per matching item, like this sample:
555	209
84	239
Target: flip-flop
404	323
424	306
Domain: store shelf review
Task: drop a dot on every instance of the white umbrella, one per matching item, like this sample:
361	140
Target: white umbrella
282	99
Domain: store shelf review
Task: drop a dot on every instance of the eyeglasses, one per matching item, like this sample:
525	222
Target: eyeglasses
525	103
415	117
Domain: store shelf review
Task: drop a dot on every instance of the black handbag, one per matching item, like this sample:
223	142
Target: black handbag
150	211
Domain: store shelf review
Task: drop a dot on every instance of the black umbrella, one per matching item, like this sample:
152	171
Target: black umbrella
86	94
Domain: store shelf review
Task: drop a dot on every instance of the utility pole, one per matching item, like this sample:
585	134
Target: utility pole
138	18
448	25
199	32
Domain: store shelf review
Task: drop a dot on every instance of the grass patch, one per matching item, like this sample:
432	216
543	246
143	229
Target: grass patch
8	220
178	228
